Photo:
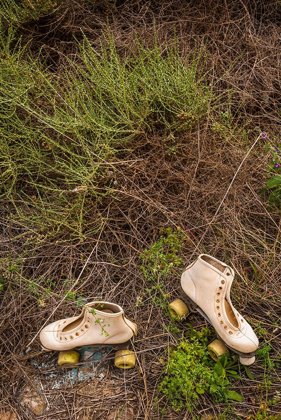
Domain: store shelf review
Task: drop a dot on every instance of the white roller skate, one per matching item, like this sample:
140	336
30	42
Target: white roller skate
206	285
100	324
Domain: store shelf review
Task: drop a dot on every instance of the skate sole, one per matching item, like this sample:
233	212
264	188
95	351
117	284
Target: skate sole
189	302
94	346
89	347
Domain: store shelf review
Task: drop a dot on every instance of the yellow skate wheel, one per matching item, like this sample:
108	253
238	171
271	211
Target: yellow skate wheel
68	357
216	349
125	359
178	310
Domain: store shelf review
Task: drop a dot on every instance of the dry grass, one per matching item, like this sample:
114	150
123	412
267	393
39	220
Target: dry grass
160	182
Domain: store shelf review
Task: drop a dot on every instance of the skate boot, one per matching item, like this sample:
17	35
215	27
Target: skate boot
100	324
206	285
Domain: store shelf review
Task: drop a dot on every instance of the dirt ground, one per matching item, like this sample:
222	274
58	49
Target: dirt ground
155	188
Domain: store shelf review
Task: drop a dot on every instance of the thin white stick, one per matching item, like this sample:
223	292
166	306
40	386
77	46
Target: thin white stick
226	193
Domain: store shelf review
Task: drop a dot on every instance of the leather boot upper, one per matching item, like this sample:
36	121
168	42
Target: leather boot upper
99	323
208	282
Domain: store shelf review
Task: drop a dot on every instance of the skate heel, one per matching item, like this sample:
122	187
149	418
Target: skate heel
179	310
193	307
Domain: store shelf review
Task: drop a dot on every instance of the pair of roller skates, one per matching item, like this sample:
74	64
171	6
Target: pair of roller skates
206	285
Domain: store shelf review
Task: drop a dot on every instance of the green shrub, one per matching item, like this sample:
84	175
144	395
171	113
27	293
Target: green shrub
273	185
160	261
190	372
16	12
59	133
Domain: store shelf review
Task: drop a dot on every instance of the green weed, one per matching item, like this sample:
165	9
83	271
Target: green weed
41	288
263	353
15	13
59	134
160	261
264	414
273	184
190	372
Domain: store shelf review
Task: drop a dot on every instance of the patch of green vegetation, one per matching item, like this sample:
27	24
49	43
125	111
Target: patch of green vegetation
264	414
13	12
263	354
160	261
228	127
273	185
271	365
41	288
259	330
190	372
60	133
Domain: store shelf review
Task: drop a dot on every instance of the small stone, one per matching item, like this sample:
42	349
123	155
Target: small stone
31	399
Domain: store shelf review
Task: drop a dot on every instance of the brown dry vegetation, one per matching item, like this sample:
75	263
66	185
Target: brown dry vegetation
158	186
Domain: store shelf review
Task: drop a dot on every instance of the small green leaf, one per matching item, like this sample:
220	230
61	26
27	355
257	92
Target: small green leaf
248	372
273	182
218	369
235	376
233	395
267	147
223	359
224	382
232	372
213	388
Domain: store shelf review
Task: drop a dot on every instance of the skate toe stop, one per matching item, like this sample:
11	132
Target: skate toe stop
247	361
